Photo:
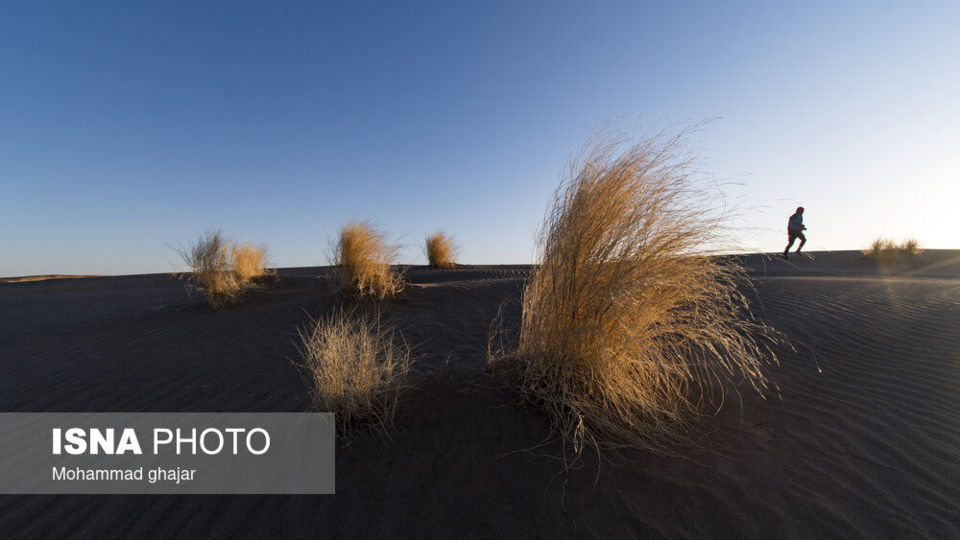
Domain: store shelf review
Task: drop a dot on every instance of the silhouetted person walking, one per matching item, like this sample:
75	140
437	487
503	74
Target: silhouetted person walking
795	228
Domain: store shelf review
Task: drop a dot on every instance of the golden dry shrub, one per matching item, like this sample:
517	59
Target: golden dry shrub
248	261
220	269
441	251
364	260
210	270
883	250
355	368
910	246
627	322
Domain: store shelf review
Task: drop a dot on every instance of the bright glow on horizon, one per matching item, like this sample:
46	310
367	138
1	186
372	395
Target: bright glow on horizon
127	130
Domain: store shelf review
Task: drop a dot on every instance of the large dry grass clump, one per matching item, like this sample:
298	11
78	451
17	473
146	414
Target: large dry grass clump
885	251
221	270
626	321
364	260
354	368
440	250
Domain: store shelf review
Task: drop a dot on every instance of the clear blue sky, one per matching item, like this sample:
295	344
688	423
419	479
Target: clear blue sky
129	127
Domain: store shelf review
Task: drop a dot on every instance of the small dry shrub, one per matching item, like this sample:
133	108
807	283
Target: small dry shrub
886	251
910	246
626	322
364	260
354	368
249	262
209	261
441	251
221	270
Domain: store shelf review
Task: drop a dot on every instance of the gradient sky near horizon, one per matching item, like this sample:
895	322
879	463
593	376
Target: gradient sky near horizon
127	128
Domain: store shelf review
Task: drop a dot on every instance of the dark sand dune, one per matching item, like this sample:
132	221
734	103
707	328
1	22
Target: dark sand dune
867	448
934	263
39	277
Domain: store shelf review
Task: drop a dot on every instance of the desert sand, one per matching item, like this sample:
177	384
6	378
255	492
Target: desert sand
42	277
863	440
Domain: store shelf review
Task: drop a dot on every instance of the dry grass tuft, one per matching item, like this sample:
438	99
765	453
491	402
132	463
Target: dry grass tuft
209	262
440	250
364	260
249	262
910	246
626	322
887	251
355	368
221	270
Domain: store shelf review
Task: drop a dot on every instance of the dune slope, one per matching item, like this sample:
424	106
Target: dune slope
863	442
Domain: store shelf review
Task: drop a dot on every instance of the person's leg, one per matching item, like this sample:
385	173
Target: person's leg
803	240
790	238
